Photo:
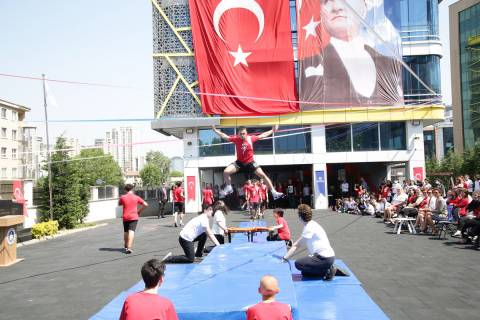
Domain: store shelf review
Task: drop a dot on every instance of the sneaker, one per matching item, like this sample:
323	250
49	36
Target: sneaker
331	273
128	251
289	243
228	189
175	225
168	255
457	234
277	195
181	223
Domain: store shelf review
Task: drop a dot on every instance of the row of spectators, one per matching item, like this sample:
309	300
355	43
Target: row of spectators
427	203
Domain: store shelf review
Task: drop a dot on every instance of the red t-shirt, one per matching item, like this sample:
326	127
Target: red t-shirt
129	202
284	232
244	147
246	190
143	305
385	192
177	194
254	194
263	191
207	196
269	311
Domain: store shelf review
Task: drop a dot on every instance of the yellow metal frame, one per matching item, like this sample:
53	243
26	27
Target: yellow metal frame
344	115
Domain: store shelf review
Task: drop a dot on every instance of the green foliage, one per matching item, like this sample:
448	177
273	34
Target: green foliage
100	167
151	175
70	194
176	174
456	164
44	229
161	161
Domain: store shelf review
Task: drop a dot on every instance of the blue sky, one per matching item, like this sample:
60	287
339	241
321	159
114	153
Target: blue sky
107	41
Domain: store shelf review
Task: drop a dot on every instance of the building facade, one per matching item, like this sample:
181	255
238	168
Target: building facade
316	149
35	153
12	150
118	143
465	71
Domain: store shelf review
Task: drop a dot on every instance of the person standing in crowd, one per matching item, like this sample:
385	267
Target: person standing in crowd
291	194
254	199
163	198
345	188
196	230
264	196
319	262
364	184
470	184
246	190
477	183
269	309
179	208
148	304
130	201
219	225
207	196
283	231
306	194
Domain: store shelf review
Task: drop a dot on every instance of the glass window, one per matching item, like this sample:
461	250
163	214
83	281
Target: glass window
14	134
14	173
393	136
14	115
365	136
338	138
3	153
447	140
14	153
207	137
426	68
4	113
4	132
261	146
429	144
296	140
4	172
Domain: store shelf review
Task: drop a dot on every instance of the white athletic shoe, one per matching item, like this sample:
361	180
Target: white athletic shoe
276	195
228	189
457	234
168	255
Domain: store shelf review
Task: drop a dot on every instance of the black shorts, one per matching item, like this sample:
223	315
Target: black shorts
129	225
254	205
179	207
250	167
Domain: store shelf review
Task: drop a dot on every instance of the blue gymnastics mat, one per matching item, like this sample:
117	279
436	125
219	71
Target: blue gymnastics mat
352	279
232	271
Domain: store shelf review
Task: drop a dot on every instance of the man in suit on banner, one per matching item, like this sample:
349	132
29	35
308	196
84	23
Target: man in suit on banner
347	71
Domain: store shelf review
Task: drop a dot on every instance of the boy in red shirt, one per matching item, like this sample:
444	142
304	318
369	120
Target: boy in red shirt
264	194
129	201
283	232
207	197
255	199
245	162
269	309
147	304
179	202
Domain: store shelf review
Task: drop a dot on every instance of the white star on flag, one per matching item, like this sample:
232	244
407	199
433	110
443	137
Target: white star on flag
240	56
310	28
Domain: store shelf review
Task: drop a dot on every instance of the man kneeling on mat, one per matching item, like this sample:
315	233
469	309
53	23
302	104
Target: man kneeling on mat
147	304
195	230
269	309
319	262
283	232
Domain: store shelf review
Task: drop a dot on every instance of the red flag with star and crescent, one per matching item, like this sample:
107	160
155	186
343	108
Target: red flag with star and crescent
244	56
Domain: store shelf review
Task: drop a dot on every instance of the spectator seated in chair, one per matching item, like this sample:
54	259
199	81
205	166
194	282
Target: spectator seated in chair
399	200
436	214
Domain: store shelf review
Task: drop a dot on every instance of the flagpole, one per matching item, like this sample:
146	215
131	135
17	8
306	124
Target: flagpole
48	149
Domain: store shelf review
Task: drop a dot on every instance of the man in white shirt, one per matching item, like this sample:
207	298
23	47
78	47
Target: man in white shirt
195	230
470	185
345	188
477	183
319	262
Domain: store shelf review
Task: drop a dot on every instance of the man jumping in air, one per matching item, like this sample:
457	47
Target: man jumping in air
245	162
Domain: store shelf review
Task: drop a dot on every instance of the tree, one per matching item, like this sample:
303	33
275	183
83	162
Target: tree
151	175
70	197
161	161
176	174
100	167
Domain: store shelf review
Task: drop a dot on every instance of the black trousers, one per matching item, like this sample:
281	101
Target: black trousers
161	208
189	249
273	237
314	266
221	240
468	223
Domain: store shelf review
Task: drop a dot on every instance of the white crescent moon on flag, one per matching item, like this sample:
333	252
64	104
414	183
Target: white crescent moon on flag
191	185
250	5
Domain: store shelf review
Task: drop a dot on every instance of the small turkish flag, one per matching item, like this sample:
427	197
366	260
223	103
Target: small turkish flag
191	188
244	56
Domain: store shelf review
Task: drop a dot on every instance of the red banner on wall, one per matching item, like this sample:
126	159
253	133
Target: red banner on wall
418	173
244	56
191	187
18	194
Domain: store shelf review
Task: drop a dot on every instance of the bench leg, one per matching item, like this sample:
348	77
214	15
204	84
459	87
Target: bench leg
400	227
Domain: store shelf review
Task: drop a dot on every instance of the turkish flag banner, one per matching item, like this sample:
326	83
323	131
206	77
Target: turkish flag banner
244	56
191	188
418	173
